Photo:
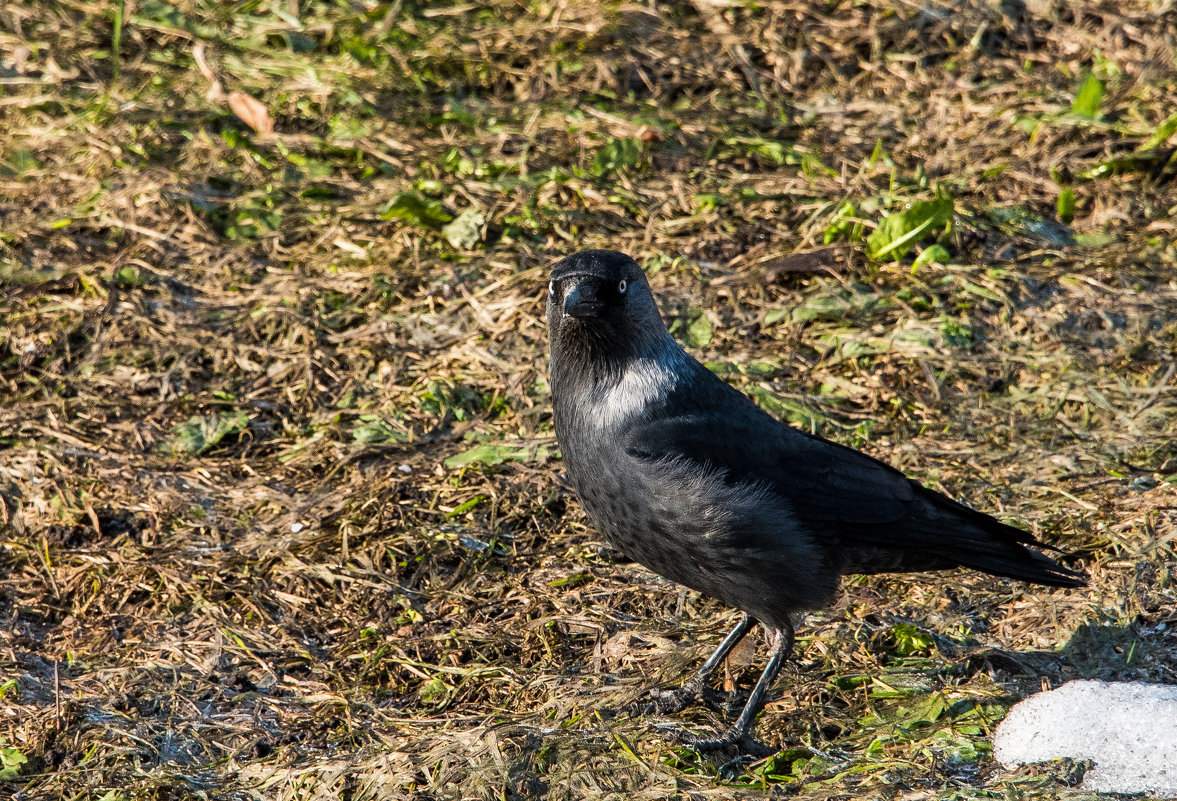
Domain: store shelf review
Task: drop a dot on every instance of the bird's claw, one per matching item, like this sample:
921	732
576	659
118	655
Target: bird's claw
733	700
742	739
667	702
670	701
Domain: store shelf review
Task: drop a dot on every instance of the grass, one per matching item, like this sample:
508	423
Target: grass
281	503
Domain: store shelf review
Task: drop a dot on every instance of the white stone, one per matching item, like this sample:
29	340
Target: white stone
1128	729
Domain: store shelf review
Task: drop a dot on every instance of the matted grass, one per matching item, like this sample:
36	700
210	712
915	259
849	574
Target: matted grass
281	503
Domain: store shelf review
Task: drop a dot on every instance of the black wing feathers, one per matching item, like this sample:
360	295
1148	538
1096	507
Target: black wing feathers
822	480
868	515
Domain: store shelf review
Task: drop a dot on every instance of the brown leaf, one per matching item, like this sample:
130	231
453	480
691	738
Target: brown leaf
251	112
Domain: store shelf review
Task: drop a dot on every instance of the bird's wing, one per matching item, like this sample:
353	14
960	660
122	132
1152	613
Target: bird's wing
879	519
822	481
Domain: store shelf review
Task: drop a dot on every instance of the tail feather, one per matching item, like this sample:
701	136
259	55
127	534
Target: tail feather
985	543
1024	564
940	534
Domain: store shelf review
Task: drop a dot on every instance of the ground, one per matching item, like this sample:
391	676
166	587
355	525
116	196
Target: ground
282	510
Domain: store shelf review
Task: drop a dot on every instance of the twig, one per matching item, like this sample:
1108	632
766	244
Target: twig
57	693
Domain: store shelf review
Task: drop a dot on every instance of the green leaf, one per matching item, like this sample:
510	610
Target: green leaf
845	225
162	16
571	581
822	307
22	160
235	139
1094	240
900	683
936	254
1066	204
785	763
851	681
375	429
699	331
980	291
928	711
1088	98
1161	134
955	333
956	749
910	641
127	277
467	506
417	210
10	761
200	434
465	231
617	154
899	231
491	455
774	316
1022	221
879	153
1142	161
767	149
812	166
707	201
435	692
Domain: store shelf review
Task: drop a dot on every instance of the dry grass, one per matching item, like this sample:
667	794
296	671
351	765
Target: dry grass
234	562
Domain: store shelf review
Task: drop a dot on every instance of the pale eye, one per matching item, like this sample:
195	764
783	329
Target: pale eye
622	287
551	287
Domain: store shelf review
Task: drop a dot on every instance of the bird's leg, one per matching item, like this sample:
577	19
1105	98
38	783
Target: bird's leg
692	688
740	733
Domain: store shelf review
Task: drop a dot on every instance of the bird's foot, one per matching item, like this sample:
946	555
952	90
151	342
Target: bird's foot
667	702
733	701
743	740
670	701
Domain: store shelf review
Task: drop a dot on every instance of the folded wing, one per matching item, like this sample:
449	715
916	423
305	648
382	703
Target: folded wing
867	515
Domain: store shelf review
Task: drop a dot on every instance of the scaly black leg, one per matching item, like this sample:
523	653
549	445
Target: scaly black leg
692	689
740	733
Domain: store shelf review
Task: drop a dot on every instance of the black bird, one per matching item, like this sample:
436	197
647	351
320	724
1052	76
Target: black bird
686	475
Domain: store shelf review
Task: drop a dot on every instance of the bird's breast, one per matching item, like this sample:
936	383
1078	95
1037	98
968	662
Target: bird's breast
666	524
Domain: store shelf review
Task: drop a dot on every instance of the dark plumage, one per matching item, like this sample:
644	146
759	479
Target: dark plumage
689	477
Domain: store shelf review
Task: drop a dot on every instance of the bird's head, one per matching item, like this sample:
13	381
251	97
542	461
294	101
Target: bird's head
612	358
600	301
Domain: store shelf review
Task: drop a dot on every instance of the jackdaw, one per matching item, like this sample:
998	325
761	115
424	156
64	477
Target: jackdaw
686	475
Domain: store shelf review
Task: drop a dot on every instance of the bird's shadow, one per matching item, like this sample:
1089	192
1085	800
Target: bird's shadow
1094	651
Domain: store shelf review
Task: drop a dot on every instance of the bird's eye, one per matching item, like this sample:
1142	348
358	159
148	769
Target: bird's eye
622	287
551	287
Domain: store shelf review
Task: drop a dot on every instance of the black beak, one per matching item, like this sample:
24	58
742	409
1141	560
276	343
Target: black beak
581	301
